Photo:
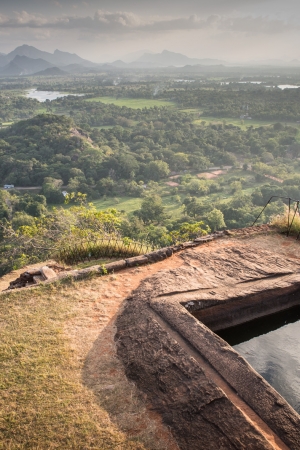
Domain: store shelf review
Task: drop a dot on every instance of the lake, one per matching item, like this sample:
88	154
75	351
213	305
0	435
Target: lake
280	86
288	86
42	96
272	346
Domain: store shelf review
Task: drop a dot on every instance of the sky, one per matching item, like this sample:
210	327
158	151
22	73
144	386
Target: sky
106	30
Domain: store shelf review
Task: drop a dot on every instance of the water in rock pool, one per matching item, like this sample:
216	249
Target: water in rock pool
272	346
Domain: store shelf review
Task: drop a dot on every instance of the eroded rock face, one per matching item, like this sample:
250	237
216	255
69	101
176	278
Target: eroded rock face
208	394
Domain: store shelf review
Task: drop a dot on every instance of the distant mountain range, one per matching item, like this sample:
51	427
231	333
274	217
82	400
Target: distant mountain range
57	58
167	58
27	60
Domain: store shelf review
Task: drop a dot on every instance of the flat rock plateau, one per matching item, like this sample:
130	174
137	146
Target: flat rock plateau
208	395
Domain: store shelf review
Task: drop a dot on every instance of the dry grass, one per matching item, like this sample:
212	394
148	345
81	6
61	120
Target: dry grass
102	248
43	403
50	397
281	222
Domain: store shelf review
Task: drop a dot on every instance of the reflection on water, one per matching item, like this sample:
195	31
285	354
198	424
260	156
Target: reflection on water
272	346
42	96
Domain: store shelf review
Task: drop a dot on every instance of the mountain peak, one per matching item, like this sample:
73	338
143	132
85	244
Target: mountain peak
58	58
168	58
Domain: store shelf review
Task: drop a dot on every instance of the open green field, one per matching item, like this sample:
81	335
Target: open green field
127	204
243	124
130	204
173	207
42	110
135	103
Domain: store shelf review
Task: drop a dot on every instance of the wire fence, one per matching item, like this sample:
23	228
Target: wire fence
88	250
293	209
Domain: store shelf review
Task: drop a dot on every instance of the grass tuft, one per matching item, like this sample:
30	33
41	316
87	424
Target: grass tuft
281	222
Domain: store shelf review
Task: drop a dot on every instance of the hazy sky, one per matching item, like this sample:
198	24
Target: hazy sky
104	30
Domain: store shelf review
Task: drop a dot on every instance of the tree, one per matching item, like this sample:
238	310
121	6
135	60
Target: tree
199	162
27	239
216	219
22	219
257	197
35	209
152	209
127	166
236	186
200	187
179	161
52	190
156	170
194	207
106	186
188	231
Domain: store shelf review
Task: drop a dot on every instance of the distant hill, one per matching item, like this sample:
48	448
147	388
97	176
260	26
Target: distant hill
11	70
76	68
119	63
58	58
65	58
3	60
22	65
51	71
157	60
167	58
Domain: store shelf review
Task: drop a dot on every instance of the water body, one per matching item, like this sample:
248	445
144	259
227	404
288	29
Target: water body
272	346
42	96
250	82
288	86
280	86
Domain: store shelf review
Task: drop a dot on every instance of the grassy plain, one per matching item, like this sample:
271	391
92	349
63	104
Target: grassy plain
135	103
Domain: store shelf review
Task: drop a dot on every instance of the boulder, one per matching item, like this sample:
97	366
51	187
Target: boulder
47	273
38	279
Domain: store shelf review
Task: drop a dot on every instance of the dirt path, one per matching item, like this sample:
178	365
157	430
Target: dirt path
91	332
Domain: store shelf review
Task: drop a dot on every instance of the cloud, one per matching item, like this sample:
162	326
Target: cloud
256	25
23	19
118	23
